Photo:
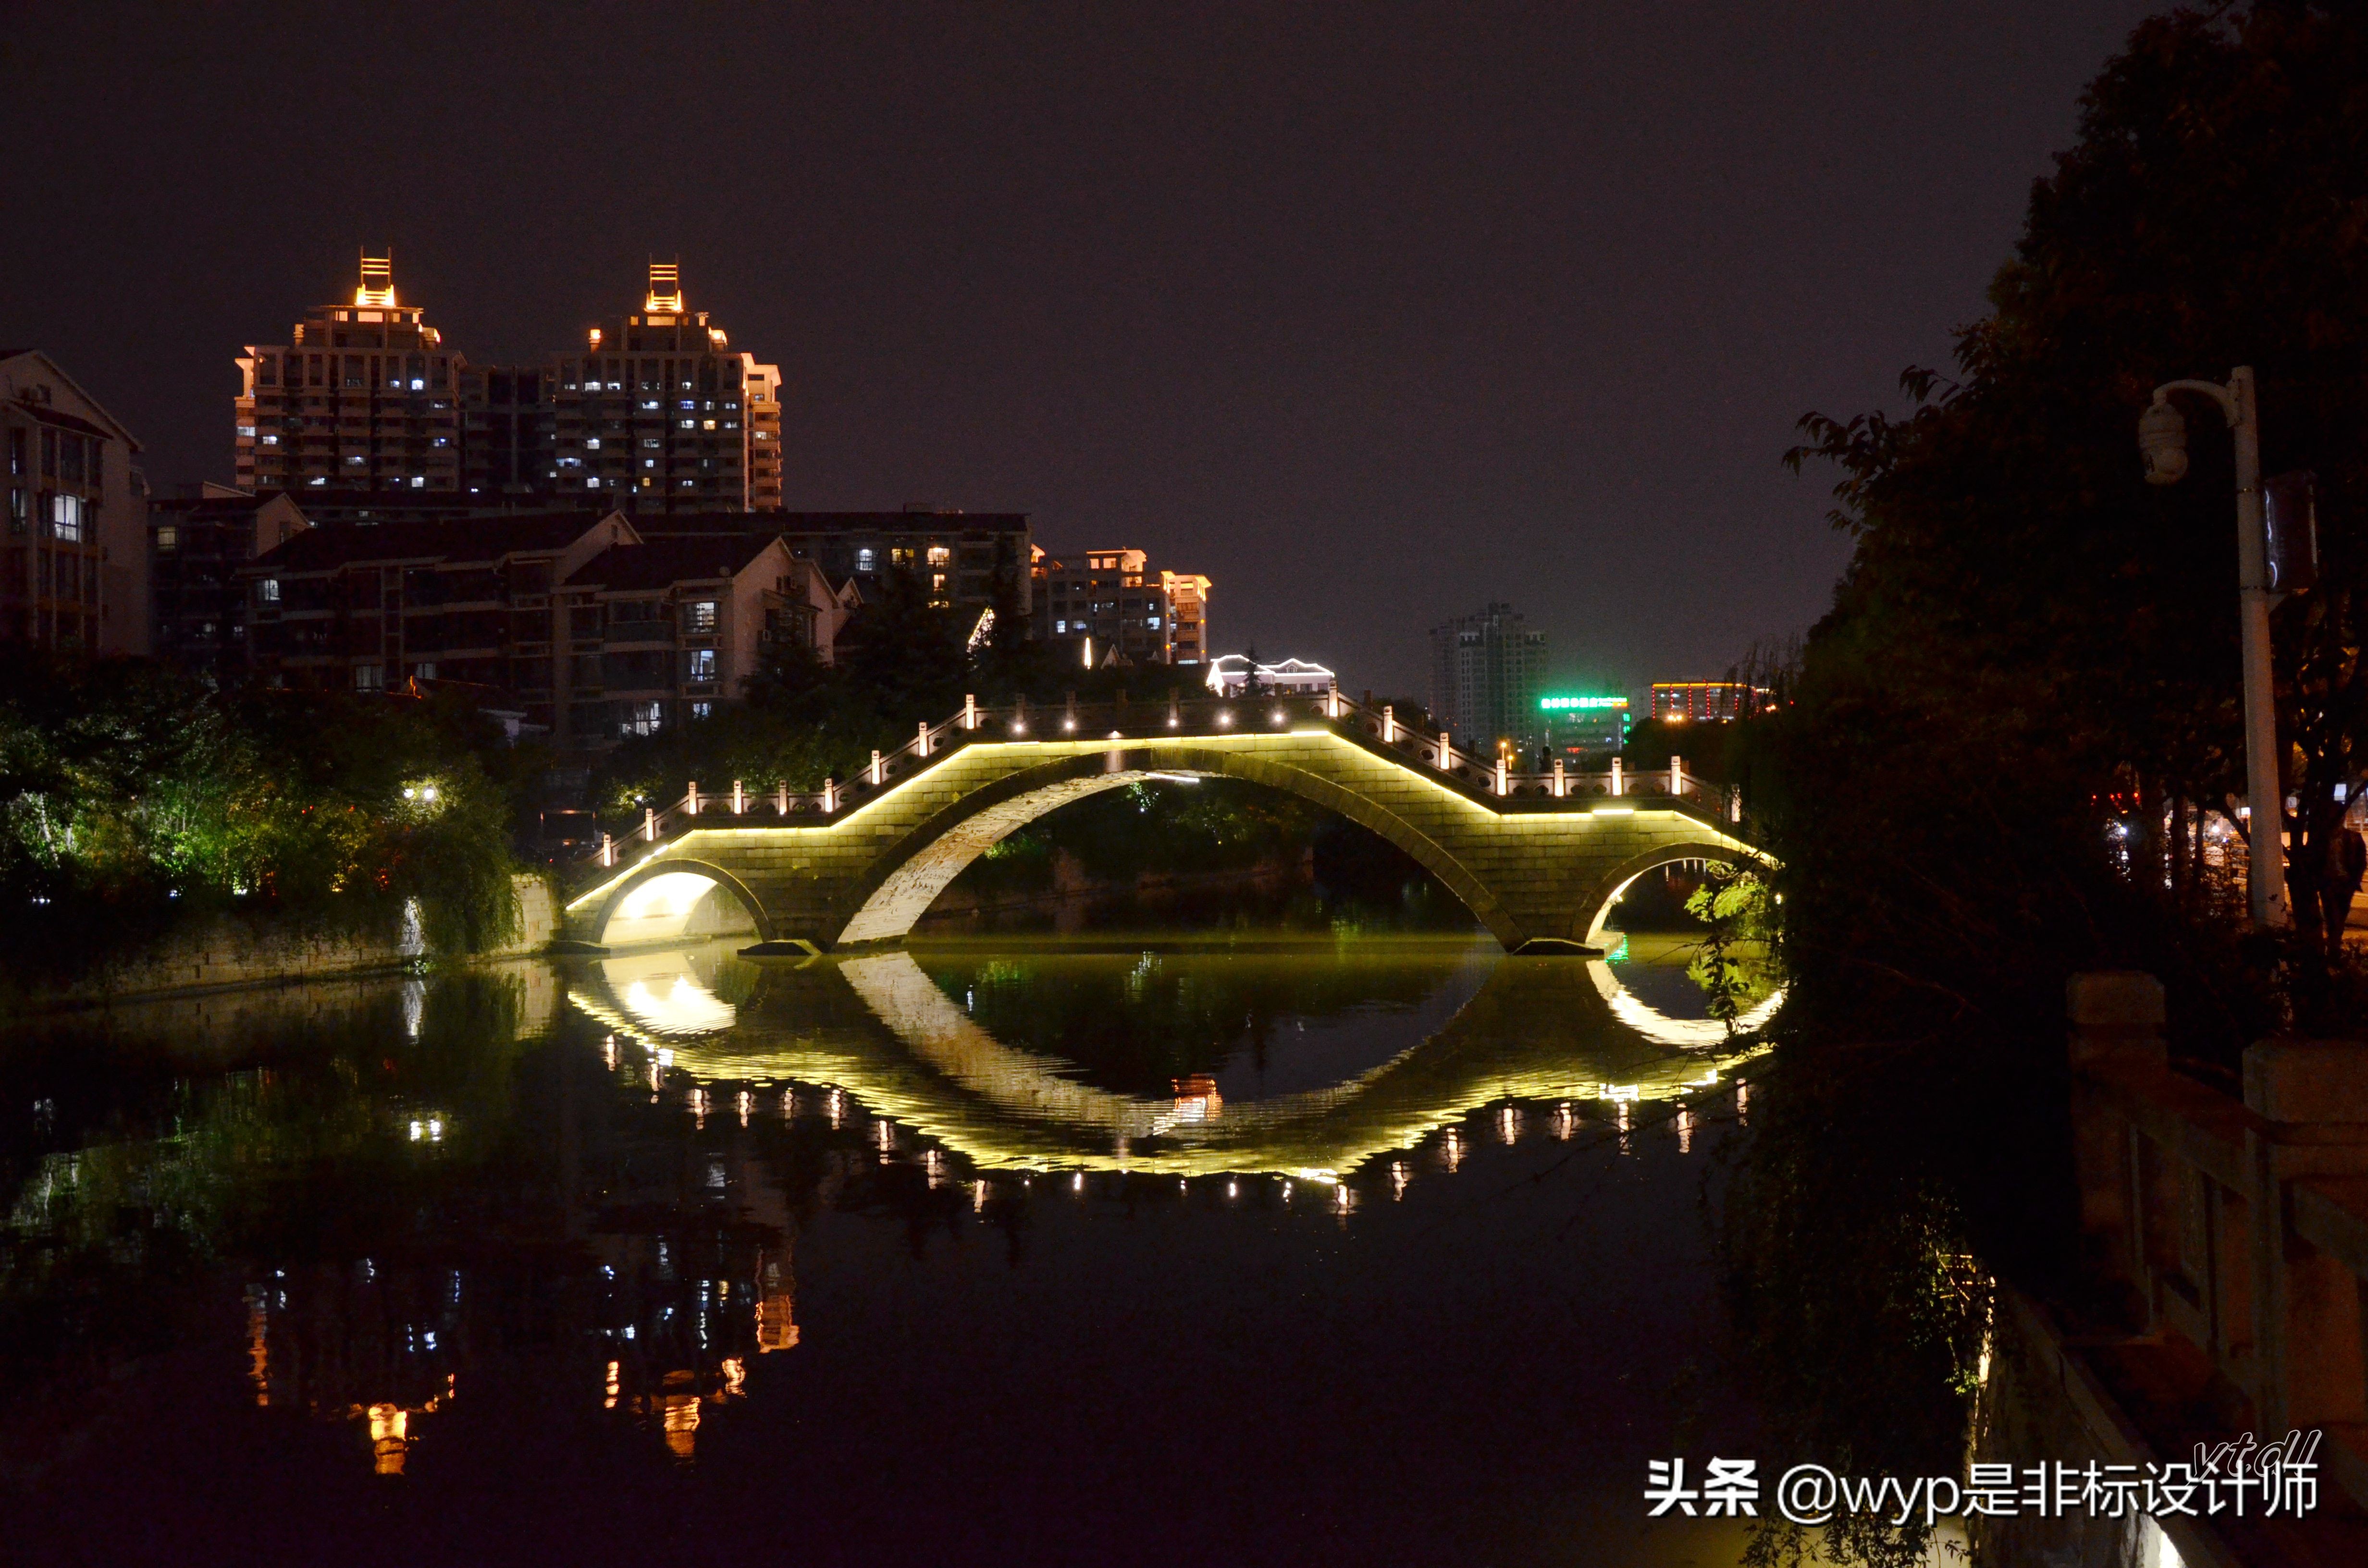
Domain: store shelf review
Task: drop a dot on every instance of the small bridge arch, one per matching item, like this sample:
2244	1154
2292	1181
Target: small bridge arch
679	899
1612	883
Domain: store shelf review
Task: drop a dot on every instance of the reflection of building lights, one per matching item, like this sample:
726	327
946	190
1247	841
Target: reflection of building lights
735	1377
1232	1190
1343	1199
681	1423
1565	1122
609	1052
1399	1177
609	1399
744	1100
1742	1103
388	1423
1078	1182
1509	1125
1685	1129
789	1105
978	1197
1197	1098
1451	1149
837	1108
1286	1192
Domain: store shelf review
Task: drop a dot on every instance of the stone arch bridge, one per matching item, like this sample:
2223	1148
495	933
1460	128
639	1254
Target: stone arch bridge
1539	857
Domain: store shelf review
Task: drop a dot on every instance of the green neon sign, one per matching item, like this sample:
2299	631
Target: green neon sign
1565	704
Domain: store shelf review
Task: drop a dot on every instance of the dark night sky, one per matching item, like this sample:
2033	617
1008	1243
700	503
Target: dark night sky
1369	313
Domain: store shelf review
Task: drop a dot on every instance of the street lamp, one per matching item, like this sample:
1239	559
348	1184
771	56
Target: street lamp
2162	437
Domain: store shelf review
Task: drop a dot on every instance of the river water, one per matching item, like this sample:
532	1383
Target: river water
1214	1250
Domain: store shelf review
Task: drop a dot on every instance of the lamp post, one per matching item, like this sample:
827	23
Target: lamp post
2162	437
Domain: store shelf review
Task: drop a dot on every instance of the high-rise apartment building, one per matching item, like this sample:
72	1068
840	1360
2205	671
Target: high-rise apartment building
658	413
1111	606
362	397
74	547
1485	670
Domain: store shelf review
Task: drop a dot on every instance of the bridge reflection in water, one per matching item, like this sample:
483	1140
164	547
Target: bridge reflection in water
881	1030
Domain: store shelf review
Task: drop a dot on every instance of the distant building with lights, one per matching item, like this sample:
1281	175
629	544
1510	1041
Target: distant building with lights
1106	606
362	396
583	628
656	414
73	553
1705	701
1577	725
965	562
1486	672
197	543
1231	674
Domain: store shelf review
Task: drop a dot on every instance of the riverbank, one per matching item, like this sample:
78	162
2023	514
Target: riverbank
232	952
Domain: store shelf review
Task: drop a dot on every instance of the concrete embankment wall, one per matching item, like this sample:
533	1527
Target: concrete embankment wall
226	952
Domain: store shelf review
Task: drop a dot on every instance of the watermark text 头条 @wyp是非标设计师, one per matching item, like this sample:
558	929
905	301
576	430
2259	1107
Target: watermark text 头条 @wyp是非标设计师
2243	1478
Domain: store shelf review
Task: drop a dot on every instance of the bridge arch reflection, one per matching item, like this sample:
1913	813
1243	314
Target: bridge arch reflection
879	1027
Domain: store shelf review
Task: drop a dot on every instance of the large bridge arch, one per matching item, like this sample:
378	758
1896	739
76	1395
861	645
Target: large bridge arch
1596	910
902	883
676	900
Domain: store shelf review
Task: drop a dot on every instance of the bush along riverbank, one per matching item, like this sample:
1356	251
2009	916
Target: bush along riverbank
140	810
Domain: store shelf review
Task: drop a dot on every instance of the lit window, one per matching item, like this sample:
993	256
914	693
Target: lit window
592	483
66	516
866	561
690	424
418	481
650	441
168	538
354	461
652	403
699	615
939	555
267	590
703	710
270	440
369	678
705	425
699	665
246	429
418	383
1153	623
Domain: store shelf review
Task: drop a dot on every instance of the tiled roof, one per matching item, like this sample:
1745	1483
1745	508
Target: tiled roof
657	525
666	560
333	545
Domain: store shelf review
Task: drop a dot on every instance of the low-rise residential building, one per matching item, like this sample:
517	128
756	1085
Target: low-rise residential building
1230	675
74	548
197	543
369	608
966	561
1107	606
658	633
590	632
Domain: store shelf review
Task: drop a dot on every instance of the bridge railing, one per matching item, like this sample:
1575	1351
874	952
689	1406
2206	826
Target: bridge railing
1121	719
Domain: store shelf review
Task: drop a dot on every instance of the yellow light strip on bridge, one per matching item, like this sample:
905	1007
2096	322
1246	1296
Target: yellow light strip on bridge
1249	741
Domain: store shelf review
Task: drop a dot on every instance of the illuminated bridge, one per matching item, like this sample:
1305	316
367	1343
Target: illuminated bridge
1539	857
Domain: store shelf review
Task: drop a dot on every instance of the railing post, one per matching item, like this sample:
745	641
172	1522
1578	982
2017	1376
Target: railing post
1332	701
608	850
829	795
1561	791
1069	715
690	798
1445	751
876	774
921	741
1019	714
739	799
1501	773
1389	724
1734	804
1677	775
1615	776
970	710
650	824
1175	714
782	798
